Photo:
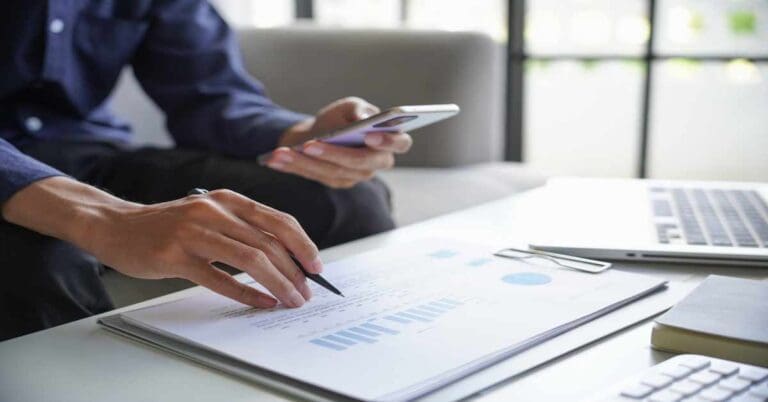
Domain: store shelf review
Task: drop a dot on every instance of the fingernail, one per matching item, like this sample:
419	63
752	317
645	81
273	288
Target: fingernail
313	150
374	139
305	291
317	265
295	299
266	301
366	113
284	158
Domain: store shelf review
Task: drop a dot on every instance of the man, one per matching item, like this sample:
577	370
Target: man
75	195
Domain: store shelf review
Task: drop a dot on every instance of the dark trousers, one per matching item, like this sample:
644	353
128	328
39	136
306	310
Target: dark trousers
47	282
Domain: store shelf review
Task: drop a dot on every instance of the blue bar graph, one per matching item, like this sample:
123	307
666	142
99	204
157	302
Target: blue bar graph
432	309
381	329
356	337
338	339
376	329
442	305
327	345
398	319
422	313
414	317
363	331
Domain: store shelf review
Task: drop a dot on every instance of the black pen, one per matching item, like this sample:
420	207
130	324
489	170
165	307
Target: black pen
316	278
313	277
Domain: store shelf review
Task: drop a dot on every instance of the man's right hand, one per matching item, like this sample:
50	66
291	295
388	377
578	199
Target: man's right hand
177	239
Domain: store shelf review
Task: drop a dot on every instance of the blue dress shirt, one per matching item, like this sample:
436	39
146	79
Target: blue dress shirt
60	60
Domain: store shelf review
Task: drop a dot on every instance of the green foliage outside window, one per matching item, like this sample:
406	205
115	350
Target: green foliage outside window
696	22
742	22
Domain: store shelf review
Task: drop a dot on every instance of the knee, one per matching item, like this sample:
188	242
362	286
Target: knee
329	216
39	266
40	261
360	211
46	282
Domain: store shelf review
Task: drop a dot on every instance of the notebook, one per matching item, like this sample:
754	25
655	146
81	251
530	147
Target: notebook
723	317
416	317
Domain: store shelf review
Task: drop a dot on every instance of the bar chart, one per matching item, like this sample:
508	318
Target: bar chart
374	330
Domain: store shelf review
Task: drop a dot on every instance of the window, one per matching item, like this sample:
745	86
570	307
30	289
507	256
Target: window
671	89
260	14
582	85
356	13
709	91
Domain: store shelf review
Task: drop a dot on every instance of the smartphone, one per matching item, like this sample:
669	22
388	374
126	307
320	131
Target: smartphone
394	120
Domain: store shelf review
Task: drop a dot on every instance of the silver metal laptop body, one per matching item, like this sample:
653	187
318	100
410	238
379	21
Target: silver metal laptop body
680	221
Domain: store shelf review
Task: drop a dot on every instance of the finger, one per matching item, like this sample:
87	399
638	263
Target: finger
216	247
237	229
331	174
227	286
351	108
365	159
282	260
283	226
241	231
398	143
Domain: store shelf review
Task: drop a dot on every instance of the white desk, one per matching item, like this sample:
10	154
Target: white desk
80	361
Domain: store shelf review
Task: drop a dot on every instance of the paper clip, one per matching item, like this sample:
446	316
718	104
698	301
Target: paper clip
566	261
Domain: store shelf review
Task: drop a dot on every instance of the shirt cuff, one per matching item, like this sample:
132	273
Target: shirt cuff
267	131
18	171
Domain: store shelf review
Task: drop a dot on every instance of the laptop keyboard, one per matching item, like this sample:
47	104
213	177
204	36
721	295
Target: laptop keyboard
714	217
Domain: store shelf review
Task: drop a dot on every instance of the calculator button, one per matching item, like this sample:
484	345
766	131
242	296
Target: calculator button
705	377
637	391
760	390
676	372
657	381
753	374
695	362
735	384
686	387
724	368
747	398
716	394
665	396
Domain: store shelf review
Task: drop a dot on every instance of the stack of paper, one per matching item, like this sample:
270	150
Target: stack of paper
415	318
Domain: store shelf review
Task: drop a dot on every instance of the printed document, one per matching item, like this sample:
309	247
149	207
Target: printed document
415	317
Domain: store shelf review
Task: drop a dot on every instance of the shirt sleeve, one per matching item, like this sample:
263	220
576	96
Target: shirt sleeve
190	65
18	170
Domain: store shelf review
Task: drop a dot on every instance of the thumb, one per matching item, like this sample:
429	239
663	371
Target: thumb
353	109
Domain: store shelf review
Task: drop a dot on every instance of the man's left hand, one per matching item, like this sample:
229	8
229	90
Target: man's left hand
337	166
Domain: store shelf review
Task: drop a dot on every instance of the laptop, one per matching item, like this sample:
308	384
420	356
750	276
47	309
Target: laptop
653	220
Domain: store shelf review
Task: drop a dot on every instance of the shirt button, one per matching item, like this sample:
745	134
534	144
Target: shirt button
33	123
56	26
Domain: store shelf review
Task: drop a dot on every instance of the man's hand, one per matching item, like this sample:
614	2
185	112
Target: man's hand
176	239
337	166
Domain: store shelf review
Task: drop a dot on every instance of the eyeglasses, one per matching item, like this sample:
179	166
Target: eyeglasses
565	261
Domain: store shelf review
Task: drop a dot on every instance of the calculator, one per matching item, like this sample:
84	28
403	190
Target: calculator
693	378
